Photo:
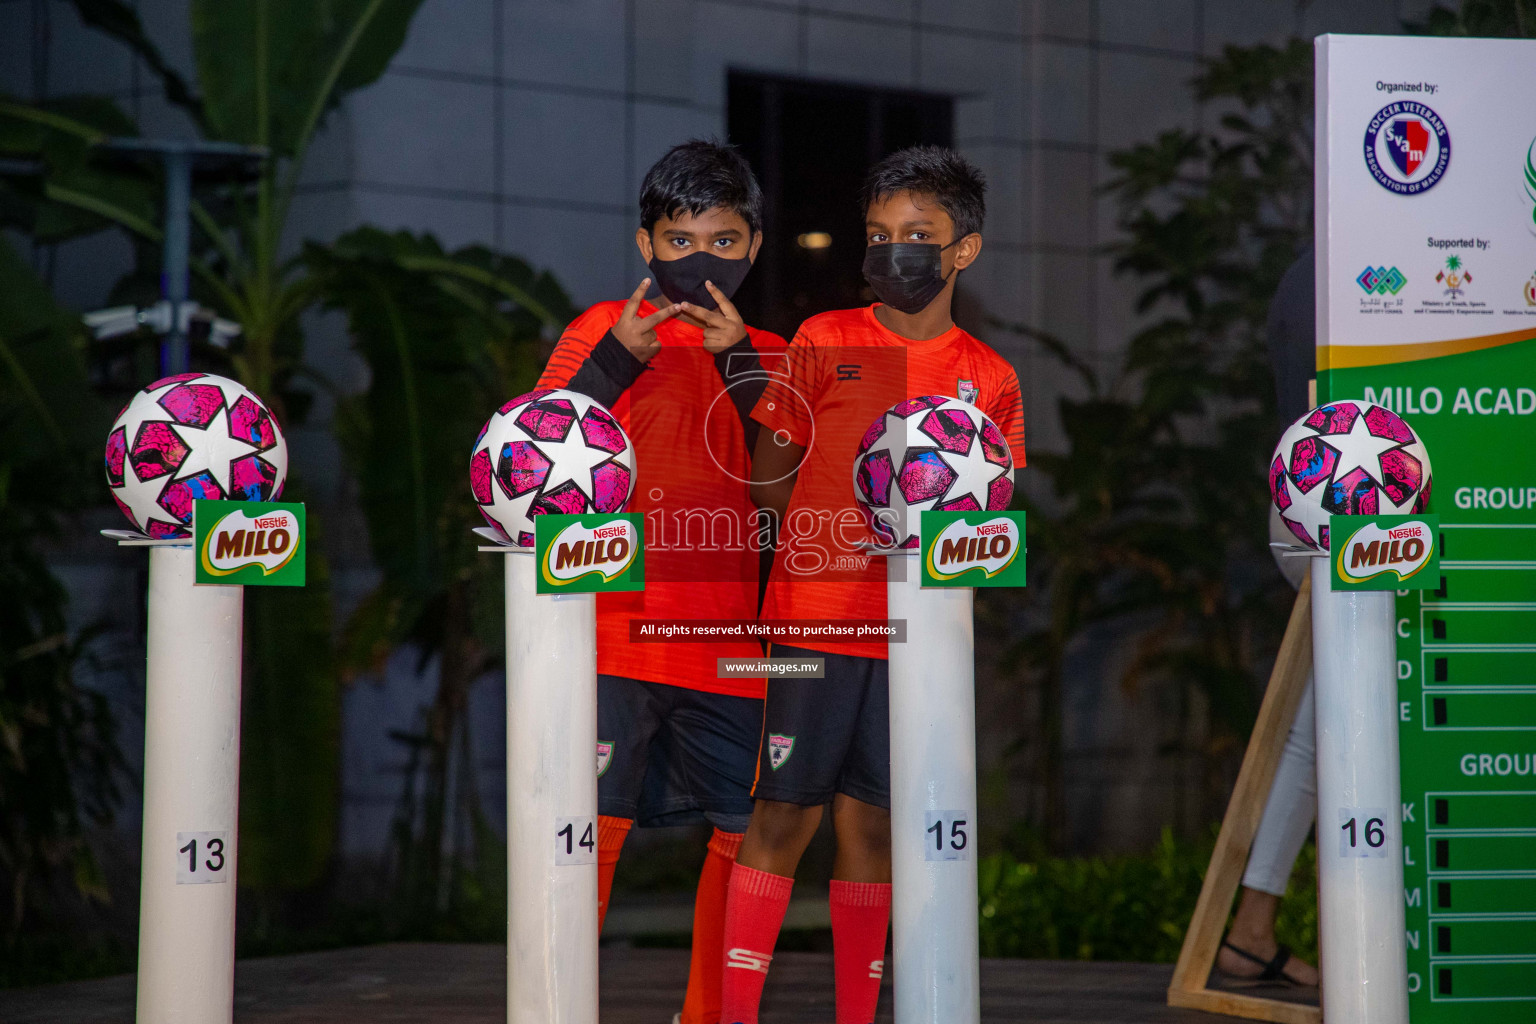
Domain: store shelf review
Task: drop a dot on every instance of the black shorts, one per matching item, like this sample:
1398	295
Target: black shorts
827	736
668	755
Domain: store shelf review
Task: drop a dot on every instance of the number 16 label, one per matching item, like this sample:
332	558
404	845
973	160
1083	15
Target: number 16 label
202	857
575	842
948	835
1363	831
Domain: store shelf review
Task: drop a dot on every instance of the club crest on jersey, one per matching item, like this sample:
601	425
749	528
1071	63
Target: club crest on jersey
604	757
967	391
779	749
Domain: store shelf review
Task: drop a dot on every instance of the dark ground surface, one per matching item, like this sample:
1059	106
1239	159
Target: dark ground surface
466	984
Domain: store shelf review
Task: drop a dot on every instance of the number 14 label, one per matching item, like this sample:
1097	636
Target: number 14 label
948	835
575	842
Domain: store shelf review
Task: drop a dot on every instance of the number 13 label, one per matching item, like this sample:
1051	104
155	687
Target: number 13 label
575	842
202	857
948	835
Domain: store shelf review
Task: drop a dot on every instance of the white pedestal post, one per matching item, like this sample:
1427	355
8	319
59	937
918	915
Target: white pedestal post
191	795
933	801
551	801
1359	809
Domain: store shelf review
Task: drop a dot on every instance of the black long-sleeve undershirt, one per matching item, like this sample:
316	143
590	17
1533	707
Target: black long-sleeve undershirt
610	369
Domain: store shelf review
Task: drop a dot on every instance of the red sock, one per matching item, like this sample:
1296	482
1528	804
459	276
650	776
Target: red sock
861	912
702	1004
611	833
753	913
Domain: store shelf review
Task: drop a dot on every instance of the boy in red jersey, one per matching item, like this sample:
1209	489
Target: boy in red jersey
827	740
674	741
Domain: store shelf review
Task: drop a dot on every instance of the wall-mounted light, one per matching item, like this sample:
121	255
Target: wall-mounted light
814	240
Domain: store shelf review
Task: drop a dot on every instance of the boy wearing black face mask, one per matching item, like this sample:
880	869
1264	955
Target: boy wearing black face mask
827	740
676	743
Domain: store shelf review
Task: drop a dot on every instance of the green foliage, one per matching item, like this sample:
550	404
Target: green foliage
1508	19
290	782
1129	908
448	338
268	73
1151	524
59	763
270	69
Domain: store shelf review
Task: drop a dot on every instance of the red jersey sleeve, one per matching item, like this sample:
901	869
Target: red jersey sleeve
576	344
1007	410
793	386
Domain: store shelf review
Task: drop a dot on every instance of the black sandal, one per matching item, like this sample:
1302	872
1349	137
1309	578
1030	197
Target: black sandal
1274	969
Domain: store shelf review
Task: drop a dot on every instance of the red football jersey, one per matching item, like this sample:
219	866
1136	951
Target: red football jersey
692	468
842	371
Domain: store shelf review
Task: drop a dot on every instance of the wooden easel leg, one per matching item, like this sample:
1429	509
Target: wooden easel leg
1287	683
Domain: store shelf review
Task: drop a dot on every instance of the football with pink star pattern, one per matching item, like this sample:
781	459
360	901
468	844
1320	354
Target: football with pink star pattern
194	435
549	451
929	453
1346	459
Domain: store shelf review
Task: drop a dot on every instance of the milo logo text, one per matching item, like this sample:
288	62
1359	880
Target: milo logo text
239	540
1374	550
961	546
579	550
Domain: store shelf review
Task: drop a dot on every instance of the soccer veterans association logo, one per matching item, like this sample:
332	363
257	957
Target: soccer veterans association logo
1407	147
604	758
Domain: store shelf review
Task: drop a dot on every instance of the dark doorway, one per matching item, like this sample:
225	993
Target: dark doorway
811	143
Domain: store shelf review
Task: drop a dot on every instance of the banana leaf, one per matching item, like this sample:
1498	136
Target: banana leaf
271	69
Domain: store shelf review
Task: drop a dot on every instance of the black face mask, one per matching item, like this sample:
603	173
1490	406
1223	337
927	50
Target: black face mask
683	280
906	275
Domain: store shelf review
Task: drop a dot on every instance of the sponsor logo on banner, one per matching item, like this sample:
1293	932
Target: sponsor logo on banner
1455	277
1385	552
256	543
967	391
1529	291
1407	147
1381	280
1530	180
973	549
604	758
589	553
779	749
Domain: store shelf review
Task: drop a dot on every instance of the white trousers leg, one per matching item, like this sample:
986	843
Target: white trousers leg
1291	807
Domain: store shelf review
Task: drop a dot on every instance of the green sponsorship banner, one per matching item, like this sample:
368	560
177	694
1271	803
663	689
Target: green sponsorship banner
1467	685
587	554
254	543
1385	552
973	549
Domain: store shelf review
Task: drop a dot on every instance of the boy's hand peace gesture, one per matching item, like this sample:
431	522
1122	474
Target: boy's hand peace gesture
637	333
723	327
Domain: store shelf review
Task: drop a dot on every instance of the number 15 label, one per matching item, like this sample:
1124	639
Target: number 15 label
202	857
948	835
